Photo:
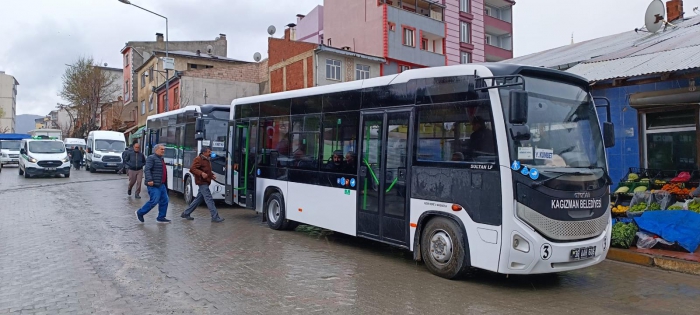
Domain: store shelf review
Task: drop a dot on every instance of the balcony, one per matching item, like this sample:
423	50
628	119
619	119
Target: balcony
427	8
495	53
497	26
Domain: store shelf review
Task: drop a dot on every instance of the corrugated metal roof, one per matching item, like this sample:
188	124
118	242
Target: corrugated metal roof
627	54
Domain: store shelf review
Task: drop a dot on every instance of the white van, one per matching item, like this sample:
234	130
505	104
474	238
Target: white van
104	150
43	155
9	152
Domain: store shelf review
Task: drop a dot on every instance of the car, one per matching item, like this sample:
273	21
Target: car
43	155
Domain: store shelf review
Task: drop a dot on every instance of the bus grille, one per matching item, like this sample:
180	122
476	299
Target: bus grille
112	159
563	230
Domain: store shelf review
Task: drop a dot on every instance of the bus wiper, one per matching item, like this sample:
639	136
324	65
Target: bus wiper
608	180
542	182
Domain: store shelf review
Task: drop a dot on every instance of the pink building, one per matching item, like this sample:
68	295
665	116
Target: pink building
413	33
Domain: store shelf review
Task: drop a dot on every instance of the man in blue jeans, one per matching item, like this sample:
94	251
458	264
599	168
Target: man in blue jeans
156	182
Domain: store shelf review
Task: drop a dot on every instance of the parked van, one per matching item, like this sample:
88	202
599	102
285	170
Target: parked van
9	148
43	155
104	150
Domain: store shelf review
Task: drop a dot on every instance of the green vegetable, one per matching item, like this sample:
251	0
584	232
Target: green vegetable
623	234
675	208
638	207
694	206
640	189
654	206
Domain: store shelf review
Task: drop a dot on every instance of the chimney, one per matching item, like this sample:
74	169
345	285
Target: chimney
159	37
222	36
300	17
674	10
198	52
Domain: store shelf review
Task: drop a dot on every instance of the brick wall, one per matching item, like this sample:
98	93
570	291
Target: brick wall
280	50
291	64
310	71
295	75
277	81
251	72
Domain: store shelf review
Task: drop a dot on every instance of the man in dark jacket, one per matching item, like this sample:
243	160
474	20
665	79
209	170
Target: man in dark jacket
203	175
156	180
135	161
124	168
76	157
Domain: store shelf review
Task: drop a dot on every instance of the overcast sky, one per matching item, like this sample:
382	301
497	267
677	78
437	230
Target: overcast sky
38	37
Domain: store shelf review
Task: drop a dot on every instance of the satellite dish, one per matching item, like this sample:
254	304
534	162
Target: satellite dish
655	17
105	64
271	30
257	56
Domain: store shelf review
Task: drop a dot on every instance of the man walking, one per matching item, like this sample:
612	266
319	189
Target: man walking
124	167
201	169
156	181
135	161
76	157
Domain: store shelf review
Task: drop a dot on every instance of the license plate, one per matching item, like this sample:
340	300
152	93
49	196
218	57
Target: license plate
50	168
583	253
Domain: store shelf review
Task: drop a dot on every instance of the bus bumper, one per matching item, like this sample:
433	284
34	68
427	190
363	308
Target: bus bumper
526	252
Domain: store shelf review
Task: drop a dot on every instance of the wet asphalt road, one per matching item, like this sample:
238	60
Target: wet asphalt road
73	245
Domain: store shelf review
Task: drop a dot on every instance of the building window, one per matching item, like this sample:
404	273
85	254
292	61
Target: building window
150	74
143	79
403	68
424	44
361	72
464	5
176	98
150	102
670	140
489	40
333	69
465	32
465	57
409	37
143	107
126	59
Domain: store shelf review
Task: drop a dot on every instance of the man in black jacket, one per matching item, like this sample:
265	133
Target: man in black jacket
156	181
135	161
76	157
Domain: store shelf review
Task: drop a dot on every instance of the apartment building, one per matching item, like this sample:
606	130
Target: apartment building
413	33
297	64
8	102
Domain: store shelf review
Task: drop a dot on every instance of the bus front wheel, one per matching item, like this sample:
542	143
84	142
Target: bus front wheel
443	249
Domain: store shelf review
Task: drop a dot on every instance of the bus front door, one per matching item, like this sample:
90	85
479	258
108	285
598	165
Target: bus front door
383	176
244	143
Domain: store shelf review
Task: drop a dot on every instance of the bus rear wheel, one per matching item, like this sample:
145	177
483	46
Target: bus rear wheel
276	213
443	249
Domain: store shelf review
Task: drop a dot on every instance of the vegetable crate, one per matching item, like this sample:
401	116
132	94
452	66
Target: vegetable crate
640	174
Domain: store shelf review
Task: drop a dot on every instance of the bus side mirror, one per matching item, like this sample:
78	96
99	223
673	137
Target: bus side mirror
199	129
608	134
518	107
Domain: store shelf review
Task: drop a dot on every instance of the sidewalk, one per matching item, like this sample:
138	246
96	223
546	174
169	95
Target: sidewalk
665	259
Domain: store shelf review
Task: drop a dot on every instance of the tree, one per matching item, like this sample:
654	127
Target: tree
86	87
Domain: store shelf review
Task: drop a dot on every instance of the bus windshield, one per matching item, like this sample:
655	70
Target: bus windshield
10	145
564	128
215	133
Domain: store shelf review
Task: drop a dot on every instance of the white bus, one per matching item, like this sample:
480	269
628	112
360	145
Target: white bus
494	166
184	132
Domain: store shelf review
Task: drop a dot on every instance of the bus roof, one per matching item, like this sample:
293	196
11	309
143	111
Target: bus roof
489	69
204	109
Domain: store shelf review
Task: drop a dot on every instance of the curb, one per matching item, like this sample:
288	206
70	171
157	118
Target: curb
665	263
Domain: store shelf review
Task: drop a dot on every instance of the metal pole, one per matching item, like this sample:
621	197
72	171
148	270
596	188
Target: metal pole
167	79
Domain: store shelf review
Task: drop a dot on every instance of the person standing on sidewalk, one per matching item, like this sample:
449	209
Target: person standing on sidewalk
135	161
156	181
201	170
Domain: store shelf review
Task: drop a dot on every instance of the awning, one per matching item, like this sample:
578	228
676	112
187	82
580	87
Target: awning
130	130
684	96
137	134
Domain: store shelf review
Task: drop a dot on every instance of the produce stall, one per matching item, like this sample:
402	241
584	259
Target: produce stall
647	204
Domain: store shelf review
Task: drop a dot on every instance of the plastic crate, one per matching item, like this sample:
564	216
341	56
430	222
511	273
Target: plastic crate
642	172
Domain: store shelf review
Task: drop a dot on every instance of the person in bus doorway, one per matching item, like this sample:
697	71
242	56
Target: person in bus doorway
76	157
135	161
156	180
203	175
481	140
336	163
351	162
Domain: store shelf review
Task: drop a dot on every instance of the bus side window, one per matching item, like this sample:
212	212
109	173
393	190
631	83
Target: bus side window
339	136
